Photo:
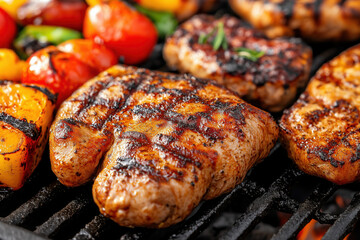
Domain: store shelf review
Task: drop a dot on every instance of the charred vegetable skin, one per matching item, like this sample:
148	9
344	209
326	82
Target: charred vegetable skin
167	141
131	35
321	130
59	71
66	67
265	72
26	113
69	14
329	20
33	38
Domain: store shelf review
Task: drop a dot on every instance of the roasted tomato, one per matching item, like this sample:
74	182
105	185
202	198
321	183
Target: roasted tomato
7	29
96	55
60	71
127	32
10	65
68	14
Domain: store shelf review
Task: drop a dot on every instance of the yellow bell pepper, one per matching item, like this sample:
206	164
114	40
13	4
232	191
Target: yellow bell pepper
11	6
10	65
161	5
25	116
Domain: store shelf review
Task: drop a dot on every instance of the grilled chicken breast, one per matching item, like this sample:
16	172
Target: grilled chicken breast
321	131
166	141
270	82
26	113
314	20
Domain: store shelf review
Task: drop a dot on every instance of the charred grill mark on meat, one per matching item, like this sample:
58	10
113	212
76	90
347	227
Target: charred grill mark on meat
314	20
167	140
321	131
270	82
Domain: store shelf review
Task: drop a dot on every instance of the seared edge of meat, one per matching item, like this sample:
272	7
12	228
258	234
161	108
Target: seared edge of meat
271	82
315	20
168	142
321	130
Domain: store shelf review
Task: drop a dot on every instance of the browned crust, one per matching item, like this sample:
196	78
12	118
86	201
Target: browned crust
271	82
315	20
321	130
166	142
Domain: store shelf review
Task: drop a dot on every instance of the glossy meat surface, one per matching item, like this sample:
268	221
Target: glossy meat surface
166	141
321	130
271	82
314	20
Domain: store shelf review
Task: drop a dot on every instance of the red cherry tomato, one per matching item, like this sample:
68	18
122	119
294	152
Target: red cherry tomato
127	32
7	29
61	72
68	14
96	55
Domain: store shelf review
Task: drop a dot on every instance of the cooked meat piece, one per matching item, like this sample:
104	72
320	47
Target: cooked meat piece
270	82
26	113
315	20
167	141
321	131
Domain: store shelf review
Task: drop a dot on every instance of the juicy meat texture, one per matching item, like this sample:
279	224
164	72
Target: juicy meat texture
314	20
166	141
271	82
321	130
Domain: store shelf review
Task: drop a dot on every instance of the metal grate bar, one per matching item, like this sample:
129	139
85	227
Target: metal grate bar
344	224
64	216
93	229
305	212
259	208
206	214
43	198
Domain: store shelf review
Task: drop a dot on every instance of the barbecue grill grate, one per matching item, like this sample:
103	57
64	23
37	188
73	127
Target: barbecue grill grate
44	208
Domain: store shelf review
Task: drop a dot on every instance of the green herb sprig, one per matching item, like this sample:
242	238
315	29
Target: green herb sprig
219	40
250	54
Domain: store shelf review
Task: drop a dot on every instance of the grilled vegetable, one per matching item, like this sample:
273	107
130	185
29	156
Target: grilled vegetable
165	22
33	38
59	71
181	8
321	130
25	116
267	73
69	14
10	65
95	55
315	20
127	32
7	29
168	141
11	6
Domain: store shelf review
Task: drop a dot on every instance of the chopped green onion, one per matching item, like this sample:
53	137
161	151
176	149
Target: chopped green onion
220	37
219	40
250	54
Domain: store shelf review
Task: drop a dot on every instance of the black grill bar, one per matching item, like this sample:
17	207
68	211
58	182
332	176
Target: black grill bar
42	199
93	229
207	213
260	207
305	212
64	216
345	223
